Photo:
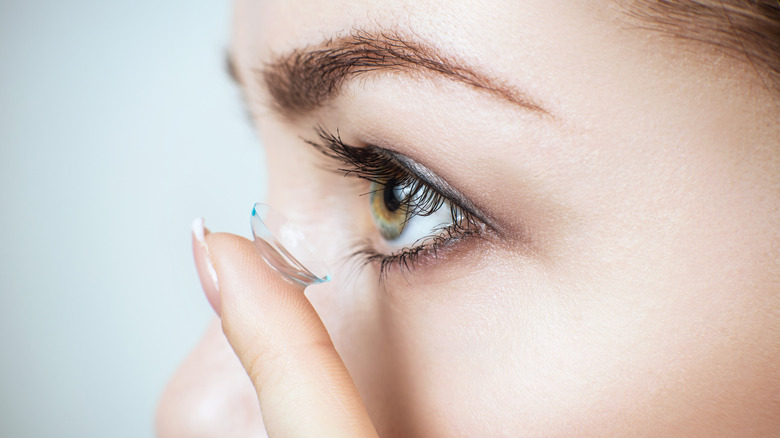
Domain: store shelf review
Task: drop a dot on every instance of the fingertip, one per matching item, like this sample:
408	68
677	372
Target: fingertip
249	286
284	346
209	279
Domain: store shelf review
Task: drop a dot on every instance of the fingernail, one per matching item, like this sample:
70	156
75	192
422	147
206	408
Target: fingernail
206	271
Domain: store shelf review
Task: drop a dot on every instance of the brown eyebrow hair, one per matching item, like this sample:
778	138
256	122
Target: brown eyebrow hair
304	79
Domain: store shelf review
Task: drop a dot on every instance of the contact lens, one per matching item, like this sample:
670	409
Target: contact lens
283	246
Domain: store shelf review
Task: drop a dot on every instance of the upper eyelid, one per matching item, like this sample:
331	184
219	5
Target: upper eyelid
333	142
434	180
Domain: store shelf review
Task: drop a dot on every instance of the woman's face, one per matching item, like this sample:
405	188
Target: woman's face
620	270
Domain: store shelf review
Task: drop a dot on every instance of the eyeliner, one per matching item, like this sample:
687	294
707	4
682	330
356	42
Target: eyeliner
430	178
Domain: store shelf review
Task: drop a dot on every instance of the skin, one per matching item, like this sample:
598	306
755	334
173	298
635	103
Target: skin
633	288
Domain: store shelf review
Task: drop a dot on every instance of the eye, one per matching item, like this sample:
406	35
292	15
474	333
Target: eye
416	213
396	209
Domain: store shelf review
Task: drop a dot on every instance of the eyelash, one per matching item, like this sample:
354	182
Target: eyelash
377	165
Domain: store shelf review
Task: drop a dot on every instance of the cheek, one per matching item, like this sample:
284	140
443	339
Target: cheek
548	365
210	395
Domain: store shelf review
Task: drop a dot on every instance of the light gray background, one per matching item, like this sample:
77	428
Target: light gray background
118	126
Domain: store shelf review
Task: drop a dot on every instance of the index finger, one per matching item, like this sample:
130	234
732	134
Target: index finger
302	384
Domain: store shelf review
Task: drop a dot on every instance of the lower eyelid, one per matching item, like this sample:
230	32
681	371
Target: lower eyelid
432	250
421	259
424	226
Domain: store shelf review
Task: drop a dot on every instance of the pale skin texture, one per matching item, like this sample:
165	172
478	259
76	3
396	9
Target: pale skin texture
635	290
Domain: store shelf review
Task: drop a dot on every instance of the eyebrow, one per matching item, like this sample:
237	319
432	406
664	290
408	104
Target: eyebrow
304	79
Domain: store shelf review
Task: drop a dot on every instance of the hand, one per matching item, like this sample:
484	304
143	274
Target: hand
301	382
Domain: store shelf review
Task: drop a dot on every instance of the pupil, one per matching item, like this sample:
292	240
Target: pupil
392	202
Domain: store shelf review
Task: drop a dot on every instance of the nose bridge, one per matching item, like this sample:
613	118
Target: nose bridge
332	228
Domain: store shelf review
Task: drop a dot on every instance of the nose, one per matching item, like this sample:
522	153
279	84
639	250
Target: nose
210	395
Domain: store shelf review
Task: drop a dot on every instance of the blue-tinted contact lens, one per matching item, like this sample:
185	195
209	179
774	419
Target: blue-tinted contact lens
283	246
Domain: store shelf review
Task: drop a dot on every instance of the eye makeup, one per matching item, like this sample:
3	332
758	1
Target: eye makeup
405	198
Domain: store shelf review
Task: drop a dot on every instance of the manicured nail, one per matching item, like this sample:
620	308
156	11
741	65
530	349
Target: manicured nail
206	272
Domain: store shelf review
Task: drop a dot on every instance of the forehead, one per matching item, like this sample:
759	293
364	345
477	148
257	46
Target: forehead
531	43
489	29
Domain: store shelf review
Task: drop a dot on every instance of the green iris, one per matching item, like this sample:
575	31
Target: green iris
389	208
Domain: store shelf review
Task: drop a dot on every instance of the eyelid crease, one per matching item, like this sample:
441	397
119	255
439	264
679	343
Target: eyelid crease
439	184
